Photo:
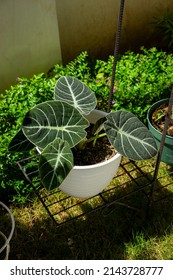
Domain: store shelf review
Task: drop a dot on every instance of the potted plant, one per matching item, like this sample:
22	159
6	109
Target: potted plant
59	129
156	117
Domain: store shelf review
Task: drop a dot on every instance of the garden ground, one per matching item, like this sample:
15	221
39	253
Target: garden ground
122	233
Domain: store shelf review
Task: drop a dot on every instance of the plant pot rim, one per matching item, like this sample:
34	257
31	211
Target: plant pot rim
149	114
92	166
96	165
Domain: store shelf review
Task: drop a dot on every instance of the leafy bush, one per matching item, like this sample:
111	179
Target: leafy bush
141	79
164	28
14	104
79	68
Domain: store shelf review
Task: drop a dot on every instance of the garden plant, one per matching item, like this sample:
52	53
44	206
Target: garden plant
58	125
163	25
150	75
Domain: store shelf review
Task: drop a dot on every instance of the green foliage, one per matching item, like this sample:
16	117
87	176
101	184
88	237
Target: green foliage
164	28
14	104
20	98
141	79
79	68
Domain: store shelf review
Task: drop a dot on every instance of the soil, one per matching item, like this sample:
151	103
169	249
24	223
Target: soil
158	119
91	154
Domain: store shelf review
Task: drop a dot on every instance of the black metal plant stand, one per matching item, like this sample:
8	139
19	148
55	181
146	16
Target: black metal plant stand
152	185
136	181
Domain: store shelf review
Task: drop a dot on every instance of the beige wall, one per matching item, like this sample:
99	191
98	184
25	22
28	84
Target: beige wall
36	34
29	38
91	25
138	17
87	25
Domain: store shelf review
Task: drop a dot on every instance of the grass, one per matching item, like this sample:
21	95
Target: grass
114	233
150	248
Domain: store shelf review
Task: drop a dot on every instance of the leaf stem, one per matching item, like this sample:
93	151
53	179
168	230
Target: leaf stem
96	137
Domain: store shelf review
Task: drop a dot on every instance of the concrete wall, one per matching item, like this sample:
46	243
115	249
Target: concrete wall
36	34
29	38
91	25
87	25
138	29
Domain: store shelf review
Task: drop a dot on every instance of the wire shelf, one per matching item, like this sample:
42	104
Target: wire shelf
131	178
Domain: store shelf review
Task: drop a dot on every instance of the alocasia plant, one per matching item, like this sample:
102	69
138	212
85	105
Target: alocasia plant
58	125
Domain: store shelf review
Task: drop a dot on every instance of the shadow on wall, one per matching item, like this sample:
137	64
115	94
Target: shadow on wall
98	25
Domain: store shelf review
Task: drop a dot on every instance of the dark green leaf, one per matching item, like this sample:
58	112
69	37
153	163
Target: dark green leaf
56	161
20	143
76	93
129	136
50	120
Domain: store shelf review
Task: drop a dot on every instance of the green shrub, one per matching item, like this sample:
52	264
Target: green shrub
14	104
79	68
141	79
163	28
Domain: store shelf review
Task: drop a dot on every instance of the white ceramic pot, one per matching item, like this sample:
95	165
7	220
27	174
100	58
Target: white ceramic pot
89	180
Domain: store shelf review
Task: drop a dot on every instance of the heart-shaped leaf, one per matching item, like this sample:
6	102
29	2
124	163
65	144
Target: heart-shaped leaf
20	143
129	136
76	93
56	161
52	119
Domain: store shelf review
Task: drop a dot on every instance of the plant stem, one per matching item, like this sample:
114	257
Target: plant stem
96	137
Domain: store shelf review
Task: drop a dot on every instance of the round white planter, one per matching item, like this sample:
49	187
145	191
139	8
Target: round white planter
89	180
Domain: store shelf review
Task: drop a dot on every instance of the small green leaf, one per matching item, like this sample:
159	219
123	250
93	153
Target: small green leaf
56	161
100	76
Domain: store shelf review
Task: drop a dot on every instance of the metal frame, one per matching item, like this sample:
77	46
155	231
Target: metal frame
136	179
6	245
